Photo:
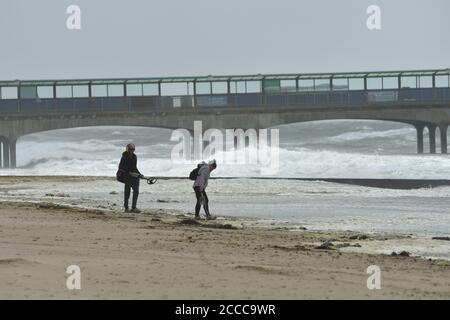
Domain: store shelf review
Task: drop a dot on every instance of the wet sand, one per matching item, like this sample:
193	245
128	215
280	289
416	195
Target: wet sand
157	255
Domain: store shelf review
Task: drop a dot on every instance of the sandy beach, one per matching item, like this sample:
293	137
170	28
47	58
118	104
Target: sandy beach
158	255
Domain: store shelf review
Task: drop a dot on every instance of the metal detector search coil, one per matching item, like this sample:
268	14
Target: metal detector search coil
150	180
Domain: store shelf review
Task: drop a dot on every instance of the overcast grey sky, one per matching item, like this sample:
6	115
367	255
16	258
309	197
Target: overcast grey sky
140	38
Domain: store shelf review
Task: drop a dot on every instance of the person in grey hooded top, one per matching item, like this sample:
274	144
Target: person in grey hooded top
200	184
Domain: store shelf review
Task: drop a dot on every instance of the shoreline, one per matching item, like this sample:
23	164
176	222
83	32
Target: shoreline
383	183
172	256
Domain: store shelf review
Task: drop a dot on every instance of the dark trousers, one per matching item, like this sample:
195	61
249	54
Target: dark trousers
131	183
201	198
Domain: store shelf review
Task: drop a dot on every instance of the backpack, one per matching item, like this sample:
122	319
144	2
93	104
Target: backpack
194	174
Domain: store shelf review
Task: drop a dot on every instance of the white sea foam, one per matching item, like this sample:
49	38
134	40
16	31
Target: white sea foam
408	133
100	158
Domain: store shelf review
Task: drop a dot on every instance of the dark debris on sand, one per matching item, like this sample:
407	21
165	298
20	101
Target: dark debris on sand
359	237
327	245
441	238
193	222
401	254
294	248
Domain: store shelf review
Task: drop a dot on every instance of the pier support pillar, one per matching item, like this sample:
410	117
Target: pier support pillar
1	153
443	130
419	129
5	153
432	134
13	155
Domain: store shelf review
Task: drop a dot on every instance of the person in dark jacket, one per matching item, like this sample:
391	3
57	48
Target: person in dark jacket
128	163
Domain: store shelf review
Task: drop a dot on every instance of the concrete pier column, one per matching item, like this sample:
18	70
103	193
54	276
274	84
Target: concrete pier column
432	133
13	155
5	153
8	153
443	130
419	129
1	153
